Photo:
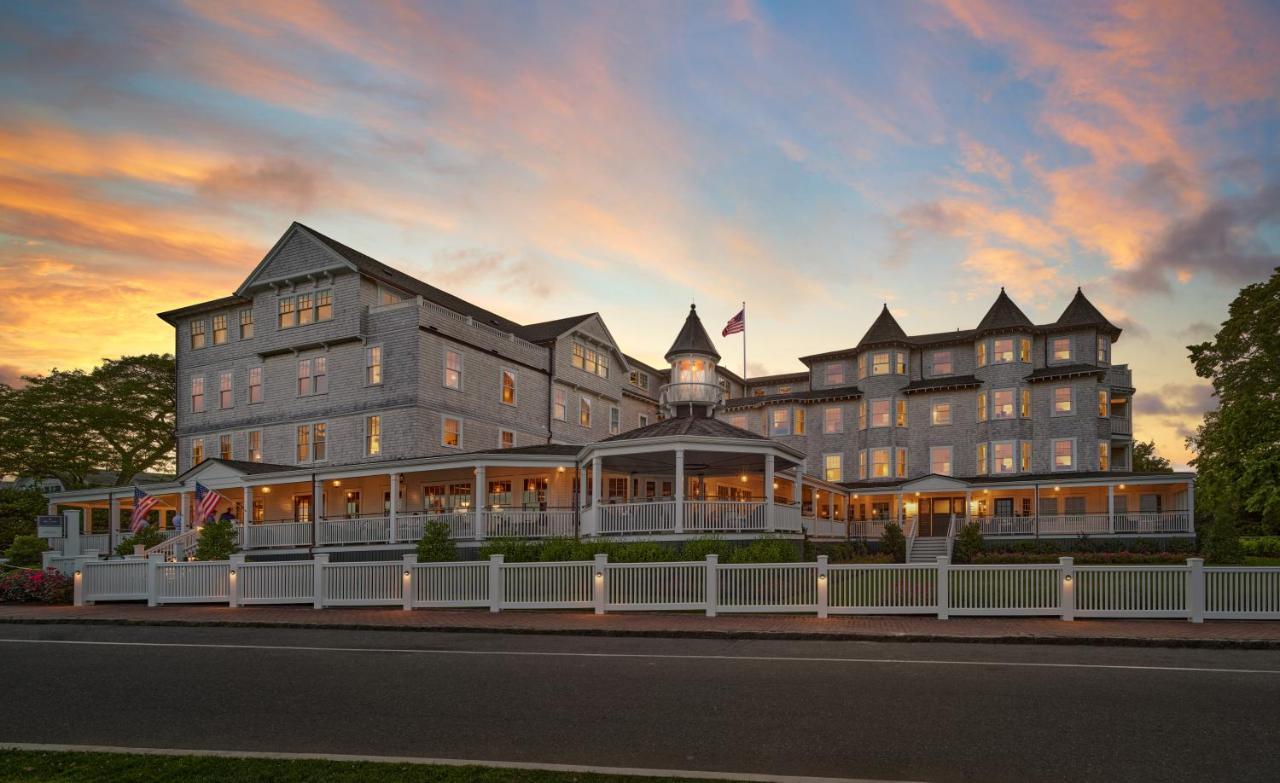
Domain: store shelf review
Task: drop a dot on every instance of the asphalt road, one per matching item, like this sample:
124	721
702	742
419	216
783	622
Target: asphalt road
843	709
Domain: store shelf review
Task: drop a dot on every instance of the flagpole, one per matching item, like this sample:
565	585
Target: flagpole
744	342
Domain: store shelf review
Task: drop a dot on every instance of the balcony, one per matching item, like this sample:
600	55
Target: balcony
1066	525
692	393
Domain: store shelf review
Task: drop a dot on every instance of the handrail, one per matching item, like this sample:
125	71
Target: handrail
169	547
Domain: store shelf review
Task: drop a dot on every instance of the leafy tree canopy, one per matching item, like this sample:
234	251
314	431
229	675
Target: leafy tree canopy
1238	445
1146	460
117	417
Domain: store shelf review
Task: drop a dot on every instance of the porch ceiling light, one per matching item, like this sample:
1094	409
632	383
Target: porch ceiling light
1055	489
743	477
1122	486
266	490
337	483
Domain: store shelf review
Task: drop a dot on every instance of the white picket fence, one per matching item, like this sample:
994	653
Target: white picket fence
1060	589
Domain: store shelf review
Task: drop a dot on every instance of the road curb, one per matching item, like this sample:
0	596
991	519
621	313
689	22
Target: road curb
1095	641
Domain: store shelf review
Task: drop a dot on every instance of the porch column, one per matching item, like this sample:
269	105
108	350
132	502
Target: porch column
317	501
831	506
392	527
1111	509
1035	526
968	504
479	499
1191	506
113	511
901	511
596	482
768	492
680	491
184	508
248	505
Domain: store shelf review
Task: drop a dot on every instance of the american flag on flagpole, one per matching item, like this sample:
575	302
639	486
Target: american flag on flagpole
142	503
206	503
736	324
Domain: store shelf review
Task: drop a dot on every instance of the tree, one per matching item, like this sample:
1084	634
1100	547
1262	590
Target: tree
1238	445
435	546
217	541
1146	460
18	511
118	417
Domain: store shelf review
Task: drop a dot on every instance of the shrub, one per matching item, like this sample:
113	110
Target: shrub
1222	542
435	546
699	548
763	550
26	550
839	552
1261	546
513	550
893	542
148	536
968	543
217	540
26	586
18	511
1081	558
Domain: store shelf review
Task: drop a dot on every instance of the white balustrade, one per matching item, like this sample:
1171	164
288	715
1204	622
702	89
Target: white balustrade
280	582
786	518
643	517
1153	522
1241	593
529	524
363	584
547	585
1005	525
271	535
724	516
1074	524
410	527
1131	591
115	580
357	530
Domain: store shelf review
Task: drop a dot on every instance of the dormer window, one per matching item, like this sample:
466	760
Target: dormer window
1061	349
835	374
942	364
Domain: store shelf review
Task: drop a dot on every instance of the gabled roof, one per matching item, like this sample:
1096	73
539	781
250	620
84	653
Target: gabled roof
548	331
810	395
692	338
883	330
172	316
1081	312
1004	315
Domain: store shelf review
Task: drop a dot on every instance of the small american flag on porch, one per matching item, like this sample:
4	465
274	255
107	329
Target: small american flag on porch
142	504
206	503
736	324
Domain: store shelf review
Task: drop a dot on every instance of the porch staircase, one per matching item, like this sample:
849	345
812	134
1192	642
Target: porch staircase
928	550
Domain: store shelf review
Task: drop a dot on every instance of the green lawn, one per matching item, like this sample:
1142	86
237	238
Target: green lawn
41	766
1262	561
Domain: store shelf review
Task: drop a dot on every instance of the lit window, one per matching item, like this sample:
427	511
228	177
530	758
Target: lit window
1104	455
1002	351
1024	350
981	354
835	374
373	436
833	467
451	432
899	363
584	412
879	463
940	460
219	329
1002	457
506	439
862	414
306	311
288	317
1104	349
981	468
901	463
320	442
862	464
255	385
1025	407
798	427
590	360
615	420
560	408
1061	400
1062	349
197	394
1002	404
452	370
246	324
901	418
255	446
880	363
1064	454
942	364
579	356
313	376
1025	461
982	406
324	305
1102	402
197	451
941	413
226	397
784	389
862	365
197	334
508	387
879	413
224	447
833	420
373	365
780	421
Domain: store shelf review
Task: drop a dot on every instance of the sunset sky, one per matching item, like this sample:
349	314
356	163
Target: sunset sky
813	159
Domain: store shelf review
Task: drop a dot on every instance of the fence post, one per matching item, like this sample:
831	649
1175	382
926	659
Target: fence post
77	585
599	577
822	586
944	587
713	586
153	581
409	561
235	572
1067	573
495	583
1195	589
320	561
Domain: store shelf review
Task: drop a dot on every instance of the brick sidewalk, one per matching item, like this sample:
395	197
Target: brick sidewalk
1163	633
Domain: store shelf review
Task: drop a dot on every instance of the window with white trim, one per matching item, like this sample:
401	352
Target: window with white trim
880	363
901	462
255	385
1062	401
899	362
372	436
835	374
197	451
942	363
797	427
1064	454
197	394
980	354
1024	461
940	460
900	419
1104	455
643	421
940	414
313	376
452	378
862	414
224	447
254	442
862	365
312	442
833	419
306	309
1103	399
780	421
981	462
880	413
1002	457
584	412
982	406
197	334
246	323
1002	404
508	387
373	365
1024	350
226	394
880	463
615	420
862	464
560	405
451	432
833	467
590	360
1002	351
220	329
287	316
1061	349
1024	408
506	439
1104	349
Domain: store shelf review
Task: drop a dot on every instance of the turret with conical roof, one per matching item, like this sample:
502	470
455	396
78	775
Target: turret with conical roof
1004	316
694	389
1081	313
883	330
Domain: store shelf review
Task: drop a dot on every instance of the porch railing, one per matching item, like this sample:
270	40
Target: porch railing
786	518
555	523
357	530
719	516
270	535
618	518
411	526
1098	524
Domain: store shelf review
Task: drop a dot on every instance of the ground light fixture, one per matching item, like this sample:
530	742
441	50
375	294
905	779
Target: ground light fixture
1067	578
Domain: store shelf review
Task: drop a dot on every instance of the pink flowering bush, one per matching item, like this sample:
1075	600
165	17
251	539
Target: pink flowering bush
46	587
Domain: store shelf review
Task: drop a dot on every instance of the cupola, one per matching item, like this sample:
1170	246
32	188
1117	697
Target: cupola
694	389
